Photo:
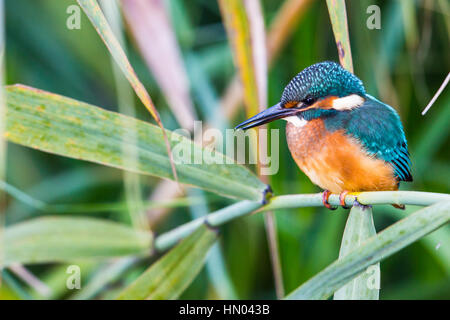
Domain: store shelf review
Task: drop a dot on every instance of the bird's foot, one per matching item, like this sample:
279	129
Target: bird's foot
356	203
326	194
342	196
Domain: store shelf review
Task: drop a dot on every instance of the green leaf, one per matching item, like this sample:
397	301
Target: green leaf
125	101
56	124
237	24
169	277
358	229
374	249
55	239
338	17
98	20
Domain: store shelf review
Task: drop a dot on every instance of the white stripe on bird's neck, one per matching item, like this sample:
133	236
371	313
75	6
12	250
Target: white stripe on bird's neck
296	121
348	103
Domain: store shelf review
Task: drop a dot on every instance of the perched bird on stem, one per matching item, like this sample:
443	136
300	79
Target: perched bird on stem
343	139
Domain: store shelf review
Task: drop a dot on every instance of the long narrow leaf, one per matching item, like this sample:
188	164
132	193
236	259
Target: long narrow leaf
245	27
377	248
56	239
98	20
152	29
67	127
170	276
238	29
338	17
358	229
126	105
283	25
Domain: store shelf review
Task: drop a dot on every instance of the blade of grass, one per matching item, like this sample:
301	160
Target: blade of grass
67	127
409	16
258	49
283	25
236	22
257	31
29	278
152	29
132	184
358	229
437	94
437	131
338	17
245	28
56	239
98	20
171	275
375	249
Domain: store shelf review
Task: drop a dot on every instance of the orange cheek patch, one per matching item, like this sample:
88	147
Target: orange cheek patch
326	103
290	104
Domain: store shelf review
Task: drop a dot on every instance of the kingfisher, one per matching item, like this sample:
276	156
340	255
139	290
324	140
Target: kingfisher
343	139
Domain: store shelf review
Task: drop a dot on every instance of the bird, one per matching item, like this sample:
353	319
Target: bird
345	140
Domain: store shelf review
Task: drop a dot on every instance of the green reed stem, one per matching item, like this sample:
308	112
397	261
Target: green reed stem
242	208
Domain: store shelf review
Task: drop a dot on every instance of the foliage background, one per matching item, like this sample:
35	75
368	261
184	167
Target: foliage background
403	64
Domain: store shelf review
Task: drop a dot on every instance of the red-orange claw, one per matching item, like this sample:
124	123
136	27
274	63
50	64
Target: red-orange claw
342	196
326	194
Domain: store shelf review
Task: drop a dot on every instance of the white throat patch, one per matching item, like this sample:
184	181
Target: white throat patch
296	121
347	103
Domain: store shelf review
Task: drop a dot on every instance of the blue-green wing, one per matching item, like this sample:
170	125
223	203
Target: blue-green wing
380	130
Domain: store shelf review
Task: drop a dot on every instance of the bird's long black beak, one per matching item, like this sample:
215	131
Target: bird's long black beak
268	115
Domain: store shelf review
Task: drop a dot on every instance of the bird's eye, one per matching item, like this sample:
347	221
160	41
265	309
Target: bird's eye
309	101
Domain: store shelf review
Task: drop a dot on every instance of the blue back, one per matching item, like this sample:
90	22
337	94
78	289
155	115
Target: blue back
378	127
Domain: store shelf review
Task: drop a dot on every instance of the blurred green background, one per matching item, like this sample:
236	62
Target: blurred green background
403	64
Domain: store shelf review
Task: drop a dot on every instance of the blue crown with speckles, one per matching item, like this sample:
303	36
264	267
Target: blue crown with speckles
322	79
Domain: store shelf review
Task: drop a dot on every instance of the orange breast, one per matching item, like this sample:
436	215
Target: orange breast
335	161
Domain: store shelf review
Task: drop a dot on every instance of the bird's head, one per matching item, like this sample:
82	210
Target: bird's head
318	91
